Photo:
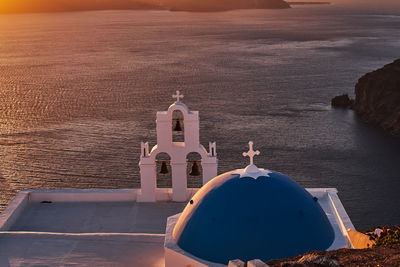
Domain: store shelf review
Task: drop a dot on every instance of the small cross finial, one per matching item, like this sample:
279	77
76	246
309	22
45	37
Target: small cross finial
178	96
251	153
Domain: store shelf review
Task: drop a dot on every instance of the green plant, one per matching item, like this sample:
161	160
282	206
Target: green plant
390	238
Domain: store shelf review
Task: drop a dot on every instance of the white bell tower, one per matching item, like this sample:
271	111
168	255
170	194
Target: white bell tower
177	151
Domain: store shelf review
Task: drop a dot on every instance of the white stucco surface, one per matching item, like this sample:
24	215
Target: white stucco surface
48	250
80	233
97	217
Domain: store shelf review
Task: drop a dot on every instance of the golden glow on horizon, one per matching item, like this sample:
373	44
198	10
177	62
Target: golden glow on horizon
24	6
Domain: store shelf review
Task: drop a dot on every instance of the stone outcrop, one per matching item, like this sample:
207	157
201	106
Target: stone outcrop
342	101
378	98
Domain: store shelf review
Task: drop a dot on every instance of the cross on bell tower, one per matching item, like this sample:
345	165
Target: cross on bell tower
178	96
251	153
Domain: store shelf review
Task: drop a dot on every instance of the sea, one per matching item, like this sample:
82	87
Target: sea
80	91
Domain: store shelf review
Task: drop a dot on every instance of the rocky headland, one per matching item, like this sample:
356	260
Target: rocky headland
223	5
309	3
40	6
377	98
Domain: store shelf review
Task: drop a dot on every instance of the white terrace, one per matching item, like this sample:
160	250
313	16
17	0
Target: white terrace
83	228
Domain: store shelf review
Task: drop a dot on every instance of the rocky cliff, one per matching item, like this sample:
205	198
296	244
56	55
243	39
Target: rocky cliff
31	6
222	5
378	98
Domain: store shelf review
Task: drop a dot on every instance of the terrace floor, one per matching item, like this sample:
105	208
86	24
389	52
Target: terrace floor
88	234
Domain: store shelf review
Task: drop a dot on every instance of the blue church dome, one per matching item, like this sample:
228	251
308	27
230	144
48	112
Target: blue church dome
252	214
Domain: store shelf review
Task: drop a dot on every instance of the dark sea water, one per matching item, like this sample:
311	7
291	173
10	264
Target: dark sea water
79	92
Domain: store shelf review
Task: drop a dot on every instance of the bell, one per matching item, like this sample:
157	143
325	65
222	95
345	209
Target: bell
178	127
164	168
195	170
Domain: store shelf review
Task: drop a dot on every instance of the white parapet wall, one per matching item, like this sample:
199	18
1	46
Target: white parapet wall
327	198
83	195
337	215
14	210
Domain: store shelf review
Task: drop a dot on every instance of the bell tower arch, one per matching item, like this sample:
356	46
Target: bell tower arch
178	126
177	150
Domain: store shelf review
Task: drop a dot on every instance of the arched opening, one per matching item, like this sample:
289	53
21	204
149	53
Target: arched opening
163	170
194	170
178	126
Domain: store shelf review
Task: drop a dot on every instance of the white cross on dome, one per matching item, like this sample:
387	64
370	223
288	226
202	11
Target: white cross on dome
251	153
252	170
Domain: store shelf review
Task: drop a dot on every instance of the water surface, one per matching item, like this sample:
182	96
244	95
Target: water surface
80	91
